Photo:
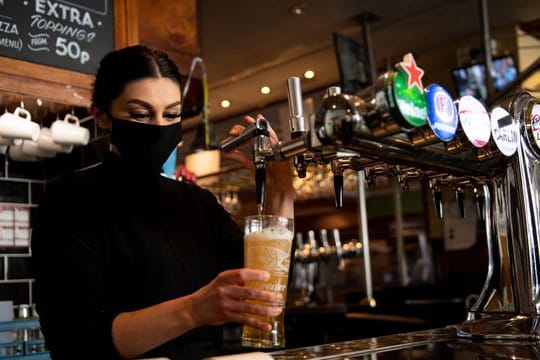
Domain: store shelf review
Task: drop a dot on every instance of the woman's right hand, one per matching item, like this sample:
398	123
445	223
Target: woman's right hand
225	299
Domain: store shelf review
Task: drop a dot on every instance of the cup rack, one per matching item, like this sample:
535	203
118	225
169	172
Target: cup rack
27	342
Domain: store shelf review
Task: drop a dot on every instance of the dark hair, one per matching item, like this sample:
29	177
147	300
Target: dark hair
121	66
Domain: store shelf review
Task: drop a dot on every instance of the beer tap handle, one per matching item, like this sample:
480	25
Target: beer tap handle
300	166
338	183
260	127
324	238
437	201
324	241
480	203
338	190
257	131
297	121
296	111
460	198
339	250
299	240
314	251
299	253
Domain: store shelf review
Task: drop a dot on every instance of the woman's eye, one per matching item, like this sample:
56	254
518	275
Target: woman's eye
140	116
172	116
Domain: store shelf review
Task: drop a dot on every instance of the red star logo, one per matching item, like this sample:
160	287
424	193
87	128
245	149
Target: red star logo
413	71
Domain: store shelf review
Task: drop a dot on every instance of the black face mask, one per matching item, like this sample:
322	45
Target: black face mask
145	147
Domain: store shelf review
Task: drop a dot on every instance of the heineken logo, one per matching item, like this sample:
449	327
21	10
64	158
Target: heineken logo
409	91
414	73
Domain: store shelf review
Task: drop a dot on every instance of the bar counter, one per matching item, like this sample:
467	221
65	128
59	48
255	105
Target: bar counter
440	344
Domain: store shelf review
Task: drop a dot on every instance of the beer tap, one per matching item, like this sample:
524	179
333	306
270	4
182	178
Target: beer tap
338	166
261	149
460	198
326	272
312	266
480	203
297	122
405	175
339	250
437	197
371	173
325	249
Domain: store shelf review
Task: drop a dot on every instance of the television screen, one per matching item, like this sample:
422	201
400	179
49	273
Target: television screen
353	64
471	80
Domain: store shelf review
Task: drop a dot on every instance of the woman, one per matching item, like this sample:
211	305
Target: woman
129	263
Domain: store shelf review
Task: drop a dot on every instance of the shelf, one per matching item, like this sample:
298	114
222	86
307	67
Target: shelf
19	324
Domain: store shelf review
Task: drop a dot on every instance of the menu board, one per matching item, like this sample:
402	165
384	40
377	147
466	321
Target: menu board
71	35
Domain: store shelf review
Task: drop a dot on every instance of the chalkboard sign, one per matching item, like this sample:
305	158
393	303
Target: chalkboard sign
72	35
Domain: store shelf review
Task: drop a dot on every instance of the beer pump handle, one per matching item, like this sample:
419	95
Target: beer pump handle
324	238
437	201
296	111
312	243
297	121
480	203
339	250
337	169
338	190
257	131
260	127
460	198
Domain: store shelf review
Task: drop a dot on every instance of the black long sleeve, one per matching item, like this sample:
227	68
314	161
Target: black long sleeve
106	242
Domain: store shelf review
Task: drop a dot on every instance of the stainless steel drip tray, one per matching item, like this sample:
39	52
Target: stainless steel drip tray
433	344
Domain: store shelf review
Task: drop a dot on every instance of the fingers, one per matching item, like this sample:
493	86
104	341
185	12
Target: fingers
238	129
249	321
243	293
239	276
227	299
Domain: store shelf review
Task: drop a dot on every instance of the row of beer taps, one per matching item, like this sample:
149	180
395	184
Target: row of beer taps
338	123
349	131
316	264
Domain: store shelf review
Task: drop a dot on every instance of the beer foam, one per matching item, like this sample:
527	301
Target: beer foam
273	233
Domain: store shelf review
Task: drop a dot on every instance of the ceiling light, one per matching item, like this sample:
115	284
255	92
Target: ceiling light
298	9
309	74
225	103
265	90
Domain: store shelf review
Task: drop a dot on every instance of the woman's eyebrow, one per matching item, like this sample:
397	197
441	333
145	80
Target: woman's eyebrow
176	103
140	102
149	106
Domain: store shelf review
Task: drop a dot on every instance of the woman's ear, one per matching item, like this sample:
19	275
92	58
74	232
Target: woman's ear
101	117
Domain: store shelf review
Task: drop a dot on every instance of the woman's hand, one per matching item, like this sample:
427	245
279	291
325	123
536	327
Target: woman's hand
238	155
226	299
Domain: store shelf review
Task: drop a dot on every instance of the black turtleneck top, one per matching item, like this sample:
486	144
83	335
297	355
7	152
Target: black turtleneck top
107	240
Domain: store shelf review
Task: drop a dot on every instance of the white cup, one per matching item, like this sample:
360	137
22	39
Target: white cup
16	153
46	143
31	148
69	132
6	141
3	149
18	125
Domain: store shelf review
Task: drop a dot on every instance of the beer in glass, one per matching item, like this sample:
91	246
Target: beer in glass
267	246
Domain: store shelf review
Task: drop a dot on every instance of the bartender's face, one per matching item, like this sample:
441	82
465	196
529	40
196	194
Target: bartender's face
149	100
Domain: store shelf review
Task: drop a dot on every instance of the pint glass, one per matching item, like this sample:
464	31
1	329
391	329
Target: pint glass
267	246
